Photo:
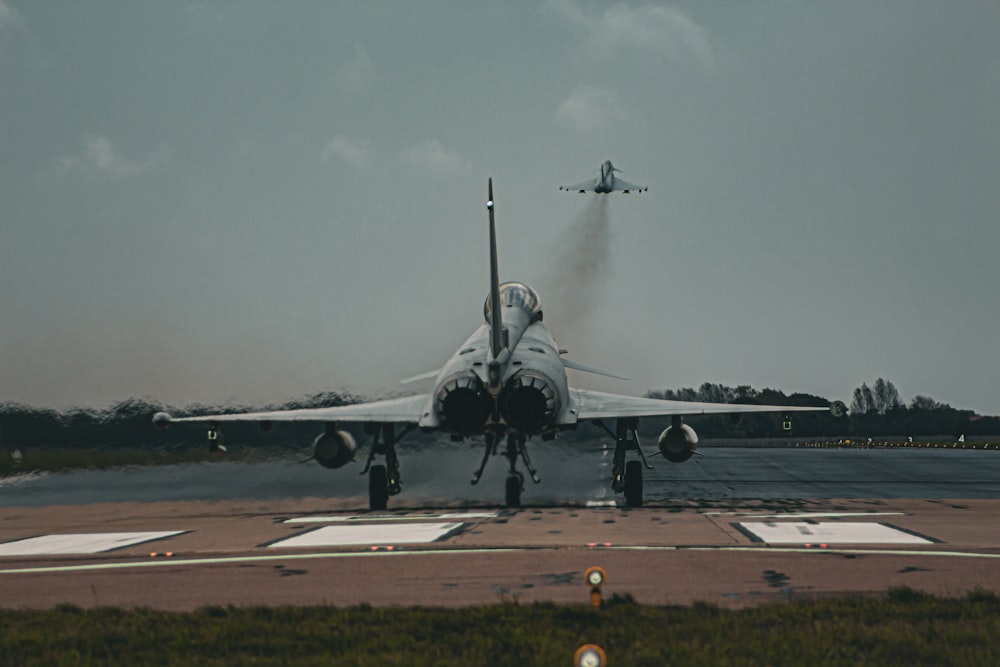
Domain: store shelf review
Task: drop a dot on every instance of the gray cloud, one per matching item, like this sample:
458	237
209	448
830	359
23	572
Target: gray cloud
356	73
7	15
588	108
98	155
647	30
355	151
433	155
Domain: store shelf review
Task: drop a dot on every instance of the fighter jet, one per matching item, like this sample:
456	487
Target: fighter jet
606	183
505	384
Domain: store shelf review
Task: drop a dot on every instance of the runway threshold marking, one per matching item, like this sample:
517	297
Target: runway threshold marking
392	517
803	515
370	534
800	532
80	543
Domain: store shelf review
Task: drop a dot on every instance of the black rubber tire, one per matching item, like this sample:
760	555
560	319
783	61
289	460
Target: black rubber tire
633	484
513	488
378	488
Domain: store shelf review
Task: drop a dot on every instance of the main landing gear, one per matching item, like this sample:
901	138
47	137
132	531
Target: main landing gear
627	477
383	478
516	448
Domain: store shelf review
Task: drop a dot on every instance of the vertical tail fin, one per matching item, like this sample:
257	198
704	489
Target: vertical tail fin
496	323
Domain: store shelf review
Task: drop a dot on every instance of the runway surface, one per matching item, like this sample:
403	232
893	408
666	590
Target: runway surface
570	475
734	527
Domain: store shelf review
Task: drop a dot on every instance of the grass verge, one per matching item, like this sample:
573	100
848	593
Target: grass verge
904	627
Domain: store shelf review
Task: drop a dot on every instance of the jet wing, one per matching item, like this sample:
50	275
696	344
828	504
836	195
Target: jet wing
586	186
599	405
408	409
621	185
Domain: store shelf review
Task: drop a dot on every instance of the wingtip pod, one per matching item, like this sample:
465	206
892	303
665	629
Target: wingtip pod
161	420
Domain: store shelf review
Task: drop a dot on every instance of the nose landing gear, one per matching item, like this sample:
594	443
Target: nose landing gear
516	448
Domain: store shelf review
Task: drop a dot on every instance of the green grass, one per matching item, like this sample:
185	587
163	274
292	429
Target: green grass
902	628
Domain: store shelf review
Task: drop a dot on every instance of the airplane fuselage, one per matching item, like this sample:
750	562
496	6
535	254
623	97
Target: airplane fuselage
606	182
526	393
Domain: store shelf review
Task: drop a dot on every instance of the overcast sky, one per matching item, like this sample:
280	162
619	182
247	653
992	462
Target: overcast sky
253	201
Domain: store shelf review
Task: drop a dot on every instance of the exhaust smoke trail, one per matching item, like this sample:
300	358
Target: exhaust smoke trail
580	267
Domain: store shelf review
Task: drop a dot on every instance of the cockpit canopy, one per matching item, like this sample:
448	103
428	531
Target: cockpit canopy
517	295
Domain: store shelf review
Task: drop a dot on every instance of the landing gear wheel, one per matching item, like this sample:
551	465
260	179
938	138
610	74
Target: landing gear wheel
378	488
515	483
633	484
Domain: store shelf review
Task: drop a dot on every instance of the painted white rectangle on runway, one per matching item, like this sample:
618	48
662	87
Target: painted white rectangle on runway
831	532
371	518
370	535
79	543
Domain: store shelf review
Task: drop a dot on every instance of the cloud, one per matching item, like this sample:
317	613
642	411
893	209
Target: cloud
7	15
648	29
99	155
10	21
433	155
356	73
352	150
588	108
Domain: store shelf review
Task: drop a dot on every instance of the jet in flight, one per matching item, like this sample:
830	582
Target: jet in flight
606	183
505	384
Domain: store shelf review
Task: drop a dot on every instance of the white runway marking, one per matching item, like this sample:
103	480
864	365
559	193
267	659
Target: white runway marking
798	532
169	562
802	515
21	478
362	535
393	517
79	543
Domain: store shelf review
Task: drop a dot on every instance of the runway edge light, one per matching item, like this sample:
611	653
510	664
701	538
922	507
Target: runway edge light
590	655
595	577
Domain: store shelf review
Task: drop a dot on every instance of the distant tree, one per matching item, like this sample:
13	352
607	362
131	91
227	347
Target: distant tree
715	393
769	396
885	396
926	403
799	398
862	400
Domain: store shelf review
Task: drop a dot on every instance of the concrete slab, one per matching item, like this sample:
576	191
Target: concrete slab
376	518
80	543
370	535
855	532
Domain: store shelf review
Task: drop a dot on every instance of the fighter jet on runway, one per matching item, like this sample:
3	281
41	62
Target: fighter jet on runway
506	383
606	183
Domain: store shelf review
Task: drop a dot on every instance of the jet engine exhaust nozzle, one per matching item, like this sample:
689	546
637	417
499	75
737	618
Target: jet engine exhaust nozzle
463	404
529	402
334	449
678	443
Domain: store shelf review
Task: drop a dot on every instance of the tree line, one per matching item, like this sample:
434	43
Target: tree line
874	411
